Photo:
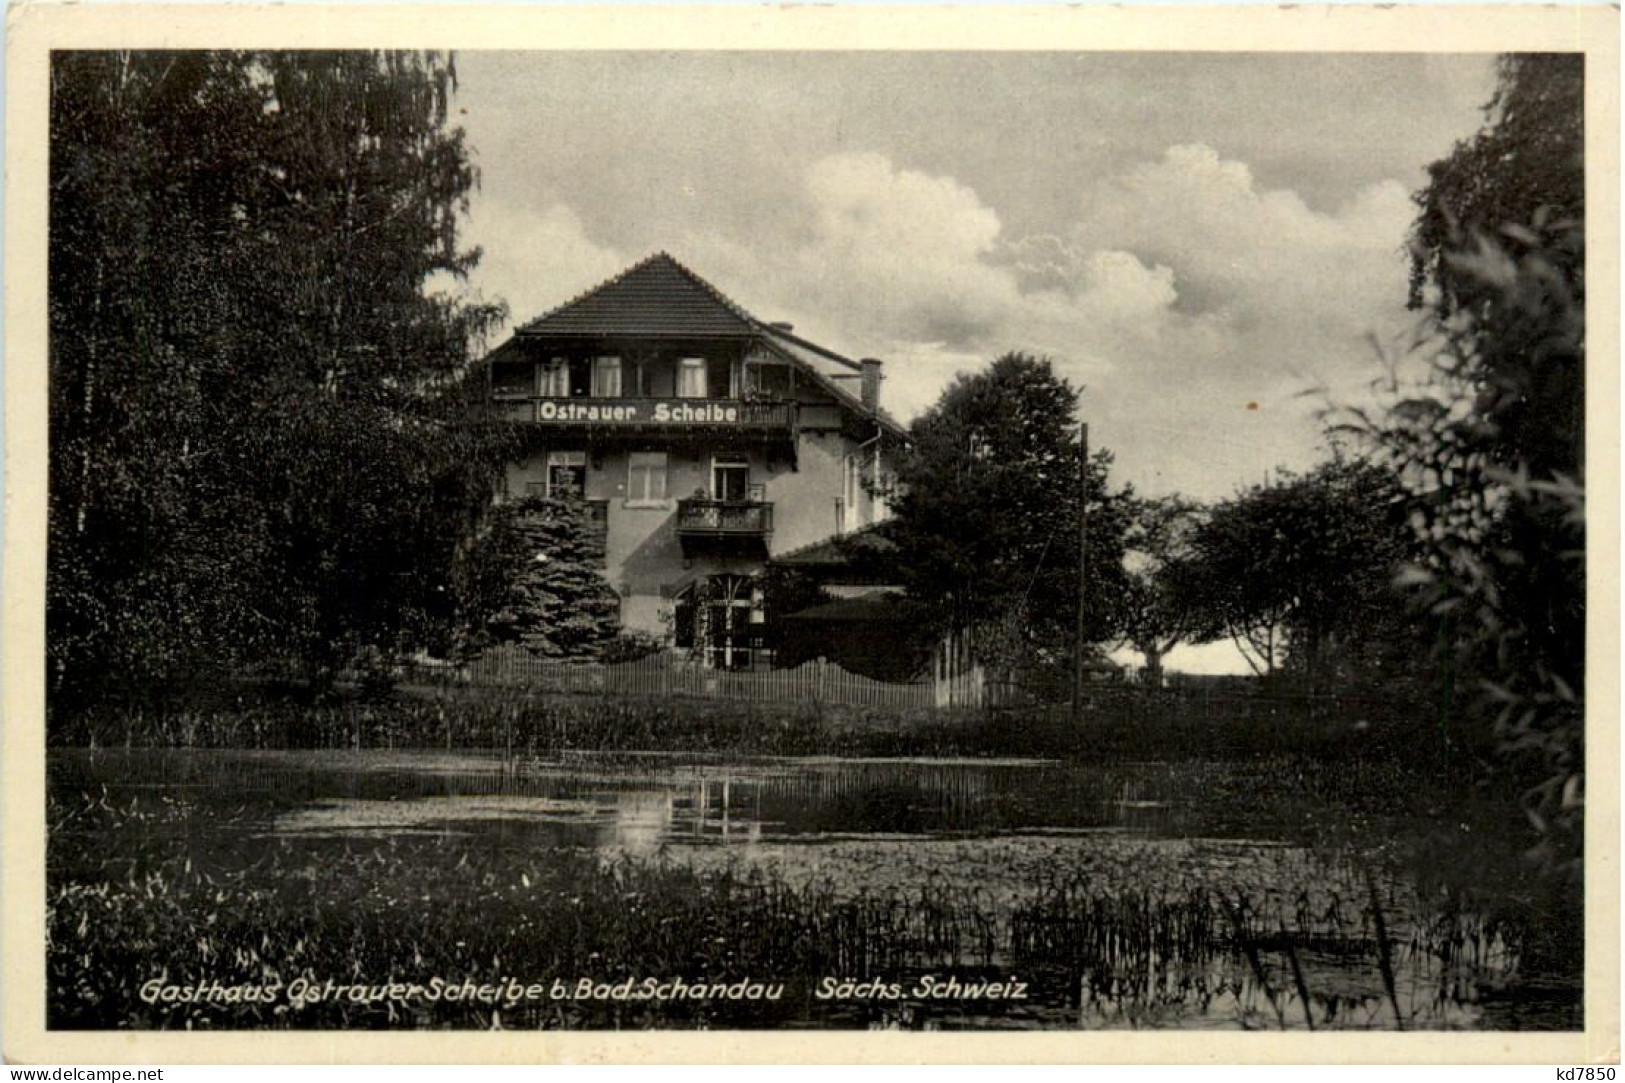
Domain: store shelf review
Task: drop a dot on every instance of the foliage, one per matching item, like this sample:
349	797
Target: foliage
986	513
787	590
1527	161
1501	571
1156	617
535	578
1298	570
630	646
1499	248
260	445
1483	421
567	915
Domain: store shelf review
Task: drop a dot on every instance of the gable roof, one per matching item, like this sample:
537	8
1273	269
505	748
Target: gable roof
657	298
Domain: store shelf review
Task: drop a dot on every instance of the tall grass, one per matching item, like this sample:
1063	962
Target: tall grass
1365	733
133	897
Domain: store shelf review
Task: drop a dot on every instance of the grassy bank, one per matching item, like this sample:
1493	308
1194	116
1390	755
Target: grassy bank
1121	723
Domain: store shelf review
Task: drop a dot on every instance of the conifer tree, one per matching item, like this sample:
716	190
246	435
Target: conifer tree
544	588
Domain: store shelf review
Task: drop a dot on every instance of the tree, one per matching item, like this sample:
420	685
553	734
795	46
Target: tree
785	591
261	442
534	579
1156	617
1483	422
1526	160
148	160
1515	194
986	511
1298	572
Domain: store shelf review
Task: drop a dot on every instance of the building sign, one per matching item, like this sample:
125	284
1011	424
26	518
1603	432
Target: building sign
654	412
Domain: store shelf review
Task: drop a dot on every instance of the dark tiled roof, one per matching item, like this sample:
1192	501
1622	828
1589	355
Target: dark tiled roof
888	608
837	550
658	298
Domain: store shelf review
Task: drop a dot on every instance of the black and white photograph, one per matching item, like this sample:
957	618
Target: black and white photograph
810	539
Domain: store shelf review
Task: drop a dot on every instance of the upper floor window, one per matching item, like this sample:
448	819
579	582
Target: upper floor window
730	477
566	473
515	380
606	377
646	478
768	381
691	378
553	378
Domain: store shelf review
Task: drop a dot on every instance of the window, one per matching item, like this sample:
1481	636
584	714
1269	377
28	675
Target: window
723	373
885	489
730	477
770	382
850	487
606	377
566	473
553	379
513	381
646	478
691	378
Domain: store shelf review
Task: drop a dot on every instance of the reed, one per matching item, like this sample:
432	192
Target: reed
137	899
1350	751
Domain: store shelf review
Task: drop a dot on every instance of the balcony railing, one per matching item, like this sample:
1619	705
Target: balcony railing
667	414
698	518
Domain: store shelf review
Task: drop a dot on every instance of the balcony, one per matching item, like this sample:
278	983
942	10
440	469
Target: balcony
726	524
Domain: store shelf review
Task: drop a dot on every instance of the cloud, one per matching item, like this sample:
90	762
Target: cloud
902	251
1193	303
1119	285
860	199
1237	246
536	258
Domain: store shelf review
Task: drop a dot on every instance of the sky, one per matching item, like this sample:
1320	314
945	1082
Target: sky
1207	244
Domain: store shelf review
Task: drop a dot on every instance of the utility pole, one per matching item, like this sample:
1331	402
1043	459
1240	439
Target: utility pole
1083	567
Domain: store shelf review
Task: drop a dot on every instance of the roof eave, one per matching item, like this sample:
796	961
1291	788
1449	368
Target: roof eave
840	394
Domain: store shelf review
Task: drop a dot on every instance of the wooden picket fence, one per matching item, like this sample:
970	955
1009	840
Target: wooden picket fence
818	681
956	678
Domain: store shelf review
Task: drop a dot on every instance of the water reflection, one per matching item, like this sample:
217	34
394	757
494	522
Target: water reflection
640	807
641	819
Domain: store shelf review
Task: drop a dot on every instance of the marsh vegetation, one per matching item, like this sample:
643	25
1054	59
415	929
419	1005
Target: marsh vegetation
1203	883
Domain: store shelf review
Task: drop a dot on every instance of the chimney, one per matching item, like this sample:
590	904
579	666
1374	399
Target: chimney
871	382
782	325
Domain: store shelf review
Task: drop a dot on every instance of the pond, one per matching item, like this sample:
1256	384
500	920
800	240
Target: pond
875	893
